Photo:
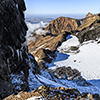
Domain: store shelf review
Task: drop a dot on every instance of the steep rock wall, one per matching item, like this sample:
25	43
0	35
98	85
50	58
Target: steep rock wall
13	50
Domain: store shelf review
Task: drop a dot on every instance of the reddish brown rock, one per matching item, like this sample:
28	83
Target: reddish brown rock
62	24
44	47
89	15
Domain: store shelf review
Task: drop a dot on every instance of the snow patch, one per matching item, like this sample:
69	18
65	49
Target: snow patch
66	46
87	60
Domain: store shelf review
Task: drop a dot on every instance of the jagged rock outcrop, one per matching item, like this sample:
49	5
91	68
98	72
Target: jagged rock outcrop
89	14
13	50
88	21
62	24
57	93
67	73
90	32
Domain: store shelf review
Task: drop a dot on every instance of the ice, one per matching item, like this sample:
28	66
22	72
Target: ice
17	6
18	53
87	61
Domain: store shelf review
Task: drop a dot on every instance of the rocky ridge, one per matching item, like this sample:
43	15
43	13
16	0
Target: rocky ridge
58	93
85	29
62	24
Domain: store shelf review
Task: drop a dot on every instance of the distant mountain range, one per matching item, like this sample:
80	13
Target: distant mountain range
47	18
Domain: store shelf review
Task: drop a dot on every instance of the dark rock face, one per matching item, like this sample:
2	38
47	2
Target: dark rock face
67	72
92	32
13	50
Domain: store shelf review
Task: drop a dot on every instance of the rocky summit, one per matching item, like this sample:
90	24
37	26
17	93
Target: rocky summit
62	24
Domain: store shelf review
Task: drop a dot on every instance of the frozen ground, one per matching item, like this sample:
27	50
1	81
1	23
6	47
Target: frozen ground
86	61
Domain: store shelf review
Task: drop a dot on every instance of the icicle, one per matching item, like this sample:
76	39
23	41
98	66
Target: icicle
11	50
21	55
18	53
8	62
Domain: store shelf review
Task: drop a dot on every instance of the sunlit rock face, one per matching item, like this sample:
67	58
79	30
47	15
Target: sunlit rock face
13	50
62	24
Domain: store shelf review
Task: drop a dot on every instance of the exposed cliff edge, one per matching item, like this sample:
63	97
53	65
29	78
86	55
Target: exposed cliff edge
14	57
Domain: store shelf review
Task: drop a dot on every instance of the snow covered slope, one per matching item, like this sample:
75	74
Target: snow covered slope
86	61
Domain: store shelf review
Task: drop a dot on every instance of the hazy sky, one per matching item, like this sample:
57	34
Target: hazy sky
62	6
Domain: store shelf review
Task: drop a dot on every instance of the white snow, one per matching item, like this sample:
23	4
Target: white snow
17	6
17	80
87	60
68	44
39	48
81	22
91	28
34	83
49	82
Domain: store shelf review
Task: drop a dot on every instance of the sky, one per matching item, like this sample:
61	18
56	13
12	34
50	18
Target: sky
62	6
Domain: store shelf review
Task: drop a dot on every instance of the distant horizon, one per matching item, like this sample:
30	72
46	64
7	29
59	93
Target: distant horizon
76	16
47	7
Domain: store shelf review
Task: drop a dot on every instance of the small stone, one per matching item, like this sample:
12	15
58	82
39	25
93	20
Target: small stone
41	87
19	96
89	96
95	95
62	88
74	60
66	88
69	87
